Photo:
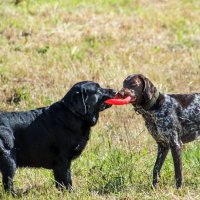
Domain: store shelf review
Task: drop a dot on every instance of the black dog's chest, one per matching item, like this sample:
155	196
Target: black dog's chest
78	147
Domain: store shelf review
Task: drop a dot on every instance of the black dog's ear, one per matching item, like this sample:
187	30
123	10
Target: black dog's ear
75	100
78	101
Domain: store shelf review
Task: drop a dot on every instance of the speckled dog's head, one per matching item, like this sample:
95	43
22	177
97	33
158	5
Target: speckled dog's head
139	88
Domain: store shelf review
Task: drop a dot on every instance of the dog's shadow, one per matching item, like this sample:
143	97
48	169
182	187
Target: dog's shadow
22	193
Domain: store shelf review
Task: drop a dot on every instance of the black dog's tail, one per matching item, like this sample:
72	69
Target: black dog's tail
1	147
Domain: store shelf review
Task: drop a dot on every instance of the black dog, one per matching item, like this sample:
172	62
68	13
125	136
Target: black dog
51	137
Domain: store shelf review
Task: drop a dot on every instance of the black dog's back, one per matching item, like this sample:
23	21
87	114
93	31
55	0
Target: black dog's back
44	136
10	122
38	132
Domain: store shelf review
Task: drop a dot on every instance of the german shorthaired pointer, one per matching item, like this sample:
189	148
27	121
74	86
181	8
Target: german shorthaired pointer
172	119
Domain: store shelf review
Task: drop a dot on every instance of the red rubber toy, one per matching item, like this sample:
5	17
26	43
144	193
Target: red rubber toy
118	101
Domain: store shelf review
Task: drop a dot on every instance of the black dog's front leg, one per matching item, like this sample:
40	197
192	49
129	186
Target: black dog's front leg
176	154
162	153
62	176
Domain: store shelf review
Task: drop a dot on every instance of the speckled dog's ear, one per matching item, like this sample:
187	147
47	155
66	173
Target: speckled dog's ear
149	89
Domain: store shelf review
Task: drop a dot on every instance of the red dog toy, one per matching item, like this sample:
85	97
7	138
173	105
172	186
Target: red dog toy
118	101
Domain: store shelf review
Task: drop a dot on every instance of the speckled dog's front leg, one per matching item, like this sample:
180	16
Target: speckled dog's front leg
176	150
162	153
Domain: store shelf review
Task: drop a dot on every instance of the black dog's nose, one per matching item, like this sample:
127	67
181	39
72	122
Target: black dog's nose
112	92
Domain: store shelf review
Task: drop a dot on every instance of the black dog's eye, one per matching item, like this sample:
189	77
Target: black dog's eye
99	91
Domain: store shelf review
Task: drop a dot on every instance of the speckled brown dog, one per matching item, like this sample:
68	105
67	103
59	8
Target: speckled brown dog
172	119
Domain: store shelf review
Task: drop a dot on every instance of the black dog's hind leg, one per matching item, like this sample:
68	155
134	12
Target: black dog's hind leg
8	168
176	154
62	176
162	153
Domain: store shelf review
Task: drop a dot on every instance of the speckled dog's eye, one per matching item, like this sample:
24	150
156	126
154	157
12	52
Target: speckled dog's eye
134	85
131	90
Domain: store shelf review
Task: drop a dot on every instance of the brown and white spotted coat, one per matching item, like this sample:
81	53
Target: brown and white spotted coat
172	119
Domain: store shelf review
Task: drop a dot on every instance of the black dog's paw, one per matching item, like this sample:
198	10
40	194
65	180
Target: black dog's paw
13	192
178	186
70	188
62	187
154	184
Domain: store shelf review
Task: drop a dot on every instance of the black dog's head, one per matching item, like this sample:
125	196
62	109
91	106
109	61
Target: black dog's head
86	99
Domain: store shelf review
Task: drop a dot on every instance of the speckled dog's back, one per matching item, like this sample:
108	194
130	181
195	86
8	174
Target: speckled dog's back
173	119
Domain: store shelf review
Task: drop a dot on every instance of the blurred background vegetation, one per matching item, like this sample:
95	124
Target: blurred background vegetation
47	46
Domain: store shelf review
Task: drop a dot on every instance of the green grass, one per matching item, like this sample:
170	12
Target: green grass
47	46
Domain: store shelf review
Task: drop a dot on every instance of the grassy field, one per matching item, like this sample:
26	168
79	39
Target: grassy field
47	46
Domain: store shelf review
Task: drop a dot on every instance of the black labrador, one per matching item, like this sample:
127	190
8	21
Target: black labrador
51	137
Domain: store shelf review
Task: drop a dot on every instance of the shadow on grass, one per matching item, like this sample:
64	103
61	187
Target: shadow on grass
22	193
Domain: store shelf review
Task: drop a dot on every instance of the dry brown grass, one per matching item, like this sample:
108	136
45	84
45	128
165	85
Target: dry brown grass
46	47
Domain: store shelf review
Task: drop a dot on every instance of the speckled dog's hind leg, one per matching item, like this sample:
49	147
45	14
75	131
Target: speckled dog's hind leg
176	150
